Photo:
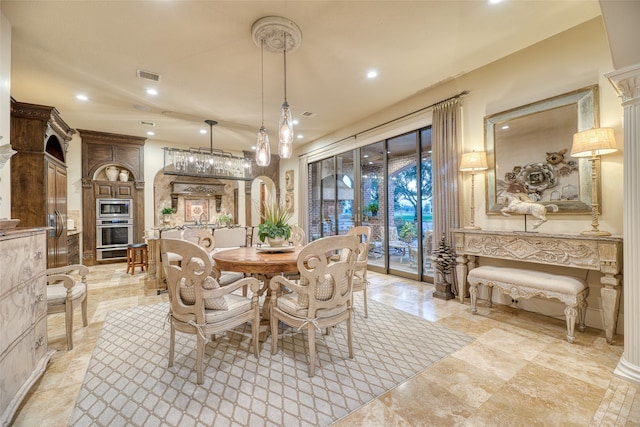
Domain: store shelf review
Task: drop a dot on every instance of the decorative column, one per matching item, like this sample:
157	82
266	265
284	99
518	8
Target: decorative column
627	83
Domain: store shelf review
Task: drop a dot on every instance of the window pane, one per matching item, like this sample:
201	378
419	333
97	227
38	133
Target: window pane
372	198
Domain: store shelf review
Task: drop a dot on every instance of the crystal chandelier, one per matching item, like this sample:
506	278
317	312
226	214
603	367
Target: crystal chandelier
206	162
278	34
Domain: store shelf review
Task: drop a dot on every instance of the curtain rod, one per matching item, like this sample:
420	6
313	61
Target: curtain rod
355	135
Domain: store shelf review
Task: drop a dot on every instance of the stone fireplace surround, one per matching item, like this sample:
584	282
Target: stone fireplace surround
172	191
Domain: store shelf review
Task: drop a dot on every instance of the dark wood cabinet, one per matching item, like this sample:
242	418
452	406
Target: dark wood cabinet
117	189
39	174
101	150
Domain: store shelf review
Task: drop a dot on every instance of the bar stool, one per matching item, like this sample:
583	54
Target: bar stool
137	255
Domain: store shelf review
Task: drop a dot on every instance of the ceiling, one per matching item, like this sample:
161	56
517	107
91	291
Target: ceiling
210	66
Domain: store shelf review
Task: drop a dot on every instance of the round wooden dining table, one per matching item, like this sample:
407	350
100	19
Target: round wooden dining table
261	262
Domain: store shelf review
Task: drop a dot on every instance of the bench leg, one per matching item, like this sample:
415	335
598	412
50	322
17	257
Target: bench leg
570	313
473	293
490	294
582	312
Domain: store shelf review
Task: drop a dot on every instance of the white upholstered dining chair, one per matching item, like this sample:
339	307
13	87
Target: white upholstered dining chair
66	290
363	233
199	305
322	298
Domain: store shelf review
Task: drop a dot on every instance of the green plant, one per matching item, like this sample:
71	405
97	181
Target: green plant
224	218
167	211
407	231
372	207
275	217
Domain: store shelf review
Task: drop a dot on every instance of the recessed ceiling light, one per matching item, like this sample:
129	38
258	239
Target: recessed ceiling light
300	136
505	127
295	121
82	97
372	74
203	131
494	1
152	92
253	147
150	133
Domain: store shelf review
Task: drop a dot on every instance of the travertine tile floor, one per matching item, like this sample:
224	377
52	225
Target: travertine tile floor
519	371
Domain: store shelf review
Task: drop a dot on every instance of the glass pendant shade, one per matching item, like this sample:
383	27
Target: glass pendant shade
263	151
285	132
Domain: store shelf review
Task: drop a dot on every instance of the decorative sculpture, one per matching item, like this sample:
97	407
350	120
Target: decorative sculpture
444	259
521	203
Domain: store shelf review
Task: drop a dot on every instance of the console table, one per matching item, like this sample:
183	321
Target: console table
601	253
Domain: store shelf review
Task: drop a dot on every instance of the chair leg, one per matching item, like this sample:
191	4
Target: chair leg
200	358
68	320
349	337
130	255
255	332
274	333
172	343
84	311
312	349
364	294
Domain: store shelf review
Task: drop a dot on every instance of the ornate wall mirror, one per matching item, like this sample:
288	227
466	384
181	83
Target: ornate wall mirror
528	151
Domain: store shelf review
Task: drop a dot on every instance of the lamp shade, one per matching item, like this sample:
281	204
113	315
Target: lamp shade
594	142
474	161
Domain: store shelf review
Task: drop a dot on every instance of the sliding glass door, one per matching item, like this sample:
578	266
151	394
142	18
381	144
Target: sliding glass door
390	192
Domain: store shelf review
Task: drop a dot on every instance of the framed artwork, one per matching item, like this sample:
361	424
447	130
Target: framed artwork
196	210
288	179
529	152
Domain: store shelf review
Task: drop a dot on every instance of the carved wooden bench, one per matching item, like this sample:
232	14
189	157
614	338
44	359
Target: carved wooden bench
519	283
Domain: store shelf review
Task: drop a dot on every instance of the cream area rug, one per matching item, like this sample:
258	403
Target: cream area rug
128	381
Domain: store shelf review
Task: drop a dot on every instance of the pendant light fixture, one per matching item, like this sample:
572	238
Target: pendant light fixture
285	127
263	150
278	34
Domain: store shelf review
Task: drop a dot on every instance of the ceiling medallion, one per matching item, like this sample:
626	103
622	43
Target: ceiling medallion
275	31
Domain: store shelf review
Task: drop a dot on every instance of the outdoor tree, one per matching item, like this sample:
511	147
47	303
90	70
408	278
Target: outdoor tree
405	190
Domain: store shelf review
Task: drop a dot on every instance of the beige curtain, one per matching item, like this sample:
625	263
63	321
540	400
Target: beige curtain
445	135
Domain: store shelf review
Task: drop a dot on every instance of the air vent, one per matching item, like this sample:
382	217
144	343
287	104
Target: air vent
148	75
307	114
142	122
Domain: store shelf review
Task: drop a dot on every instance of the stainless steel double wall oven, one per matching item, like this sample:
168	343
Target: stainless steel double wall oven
114	228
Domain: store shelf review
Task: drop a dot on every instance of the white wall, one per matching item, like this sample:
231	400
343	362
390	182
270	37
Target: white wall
572	60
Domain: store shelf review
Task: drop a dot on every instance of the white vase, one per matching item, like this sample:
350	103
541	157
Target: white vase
124	175
275	242
112	173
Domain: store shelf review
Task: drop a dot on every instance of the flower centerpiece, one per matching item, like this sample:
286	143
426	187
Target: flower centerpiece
274	227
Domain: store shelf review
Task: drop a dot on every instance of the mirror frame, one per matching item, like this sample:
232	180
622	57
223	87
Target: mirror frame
586	103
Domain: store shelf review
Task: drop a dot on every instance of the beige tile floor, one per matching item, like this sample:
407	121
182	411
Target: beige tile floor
519	371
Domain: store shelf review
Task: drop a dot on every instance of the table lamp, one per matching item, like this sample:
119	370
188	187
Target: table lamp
594	143
473	162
